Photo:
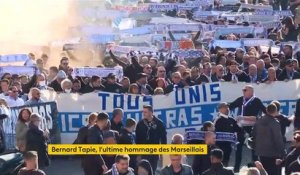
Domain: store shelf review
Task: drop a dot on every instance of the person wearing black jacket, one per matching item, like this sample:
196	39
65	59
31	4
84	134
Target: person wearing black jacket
94	164
289	72
224	123
94	85
36	140
235	75
176	82
142	82
55	84
111	84
202	163
126	133
268	141
116	120
2	134
294	153
127	137
249	108
150	130
130	70
283	120
217	167
83	131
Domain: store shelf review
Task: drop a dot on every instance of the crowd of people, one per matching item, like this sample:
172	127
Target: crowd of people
262	127
267	141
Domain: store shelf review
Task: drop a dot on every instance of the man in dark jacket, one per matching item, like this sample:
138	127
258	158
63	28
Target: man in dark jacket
235	75
176	82
130	70
61	75
126	134
268	141
2	134
294	153
249	107
111	84
150	130
224	123
289	72
94	164
116	120
94	85
36	140
205	77
217	167
202	163
177	167
283	120
83	131
142	82
127	137
121	166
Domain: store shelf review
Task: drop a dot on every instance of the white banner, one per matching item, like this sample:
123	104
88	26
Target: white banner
13	59
97	71
181	109
19	70
257	42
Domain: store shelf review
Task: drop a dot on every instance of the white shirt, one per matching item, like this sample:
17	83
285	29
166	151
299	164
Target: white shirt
13	103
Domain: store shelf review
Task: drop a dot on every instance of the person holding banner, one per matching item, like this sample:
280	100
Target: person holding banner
94	85
176	82
56	84
142	82
111	84
289	73
202	163
249	107
224	123
235	75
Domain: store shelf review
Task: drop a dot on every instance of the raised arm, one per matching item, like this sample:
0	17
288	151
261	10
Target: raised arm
116	60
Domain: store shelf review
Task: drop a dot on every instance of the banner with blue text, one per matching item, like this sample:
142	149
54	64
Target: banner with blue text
179	110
